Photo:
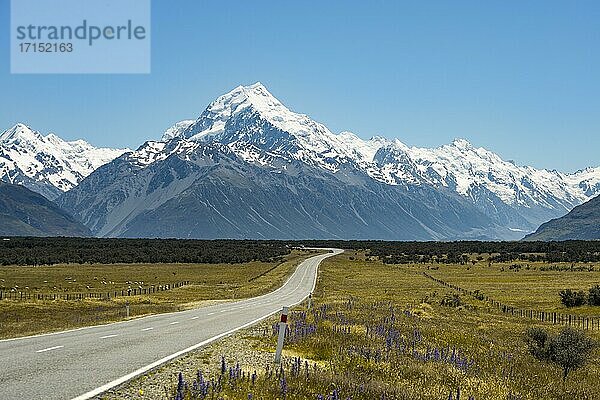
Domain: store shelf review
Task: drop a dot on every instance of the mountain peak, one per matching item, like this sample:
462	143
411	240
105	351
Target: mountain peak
462	144
255	97
19	130
48	164
258	86
177	130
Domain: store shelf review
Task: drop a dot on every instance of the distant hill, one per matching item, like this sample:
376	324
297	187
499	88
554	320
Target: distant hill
27	213
582	223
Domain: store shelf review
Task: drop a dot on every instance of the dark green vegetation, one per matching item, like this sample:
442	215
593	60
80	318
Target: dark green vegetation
570	349
23	212
40	251
573	298
459	251
48	251
577	298
582	223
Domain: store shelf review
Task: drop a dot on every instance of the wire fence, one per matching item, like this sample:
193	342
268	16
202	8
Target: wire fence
27	296
553	317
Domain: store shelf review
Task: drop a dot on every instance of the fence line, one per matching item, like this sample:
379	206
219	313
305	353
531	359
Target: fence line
21	295
579	321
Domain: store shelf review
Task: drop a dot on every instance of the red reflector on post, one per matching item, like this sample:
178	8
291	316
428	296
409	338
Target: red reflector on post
283	318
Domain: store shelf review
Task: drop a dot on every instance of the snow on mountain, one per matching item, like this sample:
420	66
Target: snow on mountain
177	130
463	167
261	130
247	150
252	116
48	164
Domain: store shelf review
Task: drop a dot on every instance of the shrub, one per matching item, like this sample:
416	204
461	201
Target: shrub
538	341
573	298
594	296
571	349
453	300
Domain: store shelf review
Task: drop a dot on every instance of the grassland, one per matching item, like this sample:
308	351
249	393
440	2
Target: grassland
524	284
209	283
380	332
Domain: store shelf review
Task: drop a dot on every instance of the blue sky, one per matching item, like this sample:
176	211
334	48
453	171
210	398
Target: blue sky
521	78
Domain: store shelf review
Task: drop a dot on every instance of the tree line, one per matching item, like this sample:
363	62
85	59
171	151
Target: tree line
48	251
40	251
458	252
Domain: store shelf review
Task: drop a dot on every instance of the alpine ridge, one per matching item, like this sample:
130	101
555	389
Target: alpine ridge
227	173
47	164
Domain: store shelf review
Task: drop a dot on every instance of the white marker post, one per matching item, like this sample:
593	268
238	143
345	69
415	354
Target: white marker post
282	326
309	301
127	308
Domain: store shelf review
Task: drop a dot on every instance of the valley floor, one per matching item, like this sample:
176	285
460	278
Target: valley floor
380	331
207	283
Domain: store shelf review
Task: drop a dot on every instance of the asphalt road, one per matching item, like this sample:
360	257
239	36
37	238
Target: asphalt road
82	363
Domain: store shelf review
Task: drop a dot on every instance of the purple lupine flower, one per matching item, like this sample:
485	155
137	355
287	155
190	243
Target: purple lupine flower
180	387
283	386
335	395
223	365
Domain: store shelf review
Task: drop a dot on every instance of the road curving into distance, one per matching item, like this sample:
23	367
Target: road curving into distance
82	363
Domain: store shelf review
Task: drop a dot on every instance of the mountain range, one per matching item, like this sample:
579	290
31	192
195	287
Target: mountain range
47	164
248	167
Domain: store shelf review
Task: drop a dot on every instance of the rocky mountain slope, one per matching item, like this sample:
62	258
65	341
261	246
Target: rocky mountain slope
518	197
26	213
582	223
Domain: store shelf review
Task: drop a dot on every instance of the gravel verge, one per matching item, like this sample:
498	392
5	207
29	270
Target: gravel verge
253	348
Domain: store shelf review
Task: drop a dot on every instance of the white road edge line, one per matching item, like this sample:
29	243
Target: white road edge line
147	329
210	313
163	360
174	323
194	317
108	336
49	348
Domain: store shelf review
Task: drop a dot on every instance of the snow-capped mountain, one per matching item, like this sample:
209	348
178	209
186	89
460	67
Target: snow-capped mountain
260	129
521	197
250	142
47	164
197	189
